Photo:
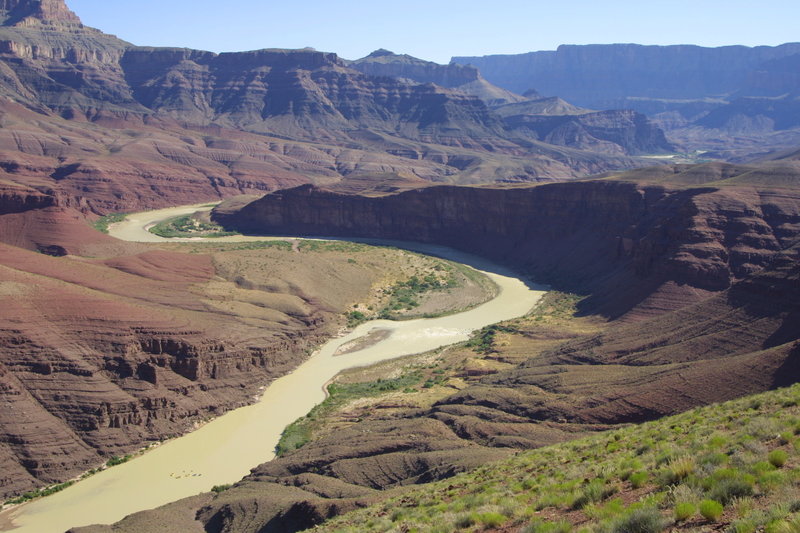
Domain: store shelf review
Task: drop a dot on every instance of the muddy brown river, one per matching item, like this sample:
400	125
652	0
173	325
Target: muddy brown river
224	450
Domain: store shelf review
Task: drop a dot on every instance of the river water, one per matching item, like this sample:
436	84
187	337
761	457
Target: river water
224	450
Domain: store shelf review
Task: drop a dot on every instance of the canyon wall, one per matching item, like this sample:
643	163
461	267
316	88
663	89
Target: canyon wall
604	76
592	237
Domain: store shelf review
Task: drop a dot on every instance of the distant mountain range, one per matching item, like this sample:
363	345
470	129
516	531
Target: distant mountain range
614	75
731	101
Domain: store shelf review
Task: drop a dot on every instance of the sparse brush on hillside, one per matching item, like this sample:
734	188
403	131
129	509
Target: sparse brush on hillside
728	467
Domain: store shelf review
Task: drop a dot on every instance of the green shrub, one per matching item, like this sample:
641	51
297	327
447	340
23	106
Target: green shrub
592	492
778	458
727	490
742	526
711	510
491	519
638	479
641	520
116	460
220	488
684	511
464	521
783	526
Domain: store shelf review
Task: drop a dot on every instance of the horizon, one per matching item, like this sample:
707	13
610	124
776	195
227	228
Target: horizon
447	30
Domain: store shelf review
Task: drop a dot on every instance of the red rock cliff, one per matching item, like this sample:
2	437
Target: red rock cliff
663	247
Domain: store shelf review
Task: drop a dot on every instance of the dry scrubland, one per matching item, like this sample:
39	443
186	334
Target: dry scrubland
730	467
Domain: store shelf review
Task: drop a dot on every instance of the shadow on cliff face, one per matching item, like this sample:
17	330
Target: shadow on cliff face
624	245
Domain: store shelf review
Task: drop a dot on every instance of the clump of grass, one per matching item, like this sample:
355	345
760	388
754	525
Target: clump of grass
491	519
638	479
727	484
778	458
711	510
679	469
684	511
646	519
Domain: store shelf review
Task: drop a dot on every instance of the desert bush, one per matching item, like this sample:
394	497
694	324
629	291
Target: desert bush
711	510
778	458
725	490
491	519
641	520
684	511
638	479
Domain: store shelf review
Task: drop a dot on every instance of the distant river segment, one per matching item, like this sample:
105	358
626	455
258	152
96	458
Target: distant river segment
224	450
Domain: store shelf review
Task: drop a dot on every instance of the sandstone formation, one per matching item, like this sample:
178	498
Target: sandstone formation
621	132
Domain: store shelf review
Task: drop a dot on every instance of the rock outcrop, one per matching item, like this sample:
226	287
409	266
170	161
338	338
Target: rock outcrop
465	78
33	12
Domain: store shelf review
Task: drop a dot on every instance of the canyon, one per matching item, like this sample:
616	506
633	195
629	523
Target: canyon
696	266
671	271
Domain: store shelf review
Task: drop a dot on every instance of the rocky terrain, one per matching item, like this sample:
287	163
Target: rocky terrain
547	119
698	264
730	102
107	126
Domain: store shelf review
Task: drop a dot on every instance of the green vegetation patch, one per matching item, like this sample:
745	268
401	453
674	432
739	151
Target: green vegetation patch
731	467
39	493
102	223
300	432
189	226
333	246
118	460
404	295
483	340
208	247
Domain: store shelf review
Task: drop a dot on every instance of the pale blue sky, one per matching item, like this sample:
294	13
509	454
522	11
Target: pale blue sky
437	30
